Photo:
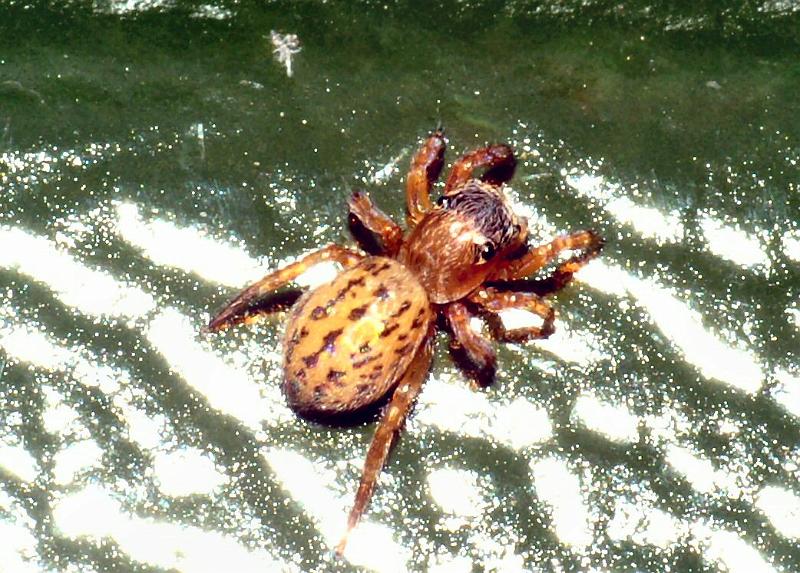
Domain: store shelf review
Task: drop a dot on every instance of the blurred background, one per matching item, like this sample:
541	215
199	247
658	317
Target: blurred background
157	155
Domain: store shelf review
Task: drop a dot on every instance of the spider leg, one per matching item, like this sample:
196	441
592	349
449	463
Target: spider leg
498	160
387	431
425	169
494	301
476	348
240	308
589	243
369	225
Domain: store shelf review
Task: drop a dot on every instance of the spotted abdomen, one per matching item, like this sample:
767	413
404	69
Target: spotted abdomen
348	341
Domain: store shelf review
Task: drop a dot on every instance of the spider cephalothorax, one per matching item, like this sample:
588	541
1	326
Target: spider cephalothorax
486	207
458	245
367	334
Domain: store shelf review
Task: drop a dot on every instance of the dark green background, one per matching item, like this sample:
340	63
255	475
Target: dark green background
696	103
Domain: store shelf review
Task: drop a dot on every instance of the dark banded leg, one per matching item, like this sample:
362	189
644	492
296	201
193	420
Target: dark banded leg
589	243
498	160
476	348
387	431
366	219
494	301
425	169
239	309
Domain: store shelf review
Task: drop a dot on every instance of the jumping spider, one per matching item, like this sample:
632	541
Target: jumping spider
369	332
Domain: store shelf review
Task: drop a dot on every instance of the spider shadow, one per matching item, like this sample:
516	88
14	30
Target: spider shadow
361	417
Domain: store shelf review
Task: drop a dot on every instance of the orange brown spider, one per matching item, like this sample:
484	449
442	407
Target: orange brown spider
368	333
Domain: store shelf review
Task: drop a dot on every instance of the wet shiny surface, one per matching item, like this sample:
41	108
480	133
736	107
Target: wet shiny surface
149	173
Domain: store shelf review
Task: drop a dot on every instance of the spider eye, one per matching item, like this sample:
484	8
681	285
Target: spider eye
487	251
443	202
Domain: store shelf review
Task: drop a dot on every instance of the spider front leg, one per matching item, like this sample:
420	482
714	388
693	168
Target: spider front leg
476	348
240	308
387	431
498	160
589	243
425	169
369	225
494	301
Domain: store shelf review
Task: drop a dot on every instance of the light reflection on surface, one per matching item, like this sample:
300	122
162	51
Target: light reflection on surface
74	459
60	418
683	326
449	564
18	550
701	473
186	471
226	388
164	243
91	291
17	461
794	314
449	406
445	405
787	391
23	343
129	6
734	244
782	507
388	170
149	431
28	345
645	525
726	548
791	245
573	346
457	492
370	545
648	222
561	490
615	422
94	513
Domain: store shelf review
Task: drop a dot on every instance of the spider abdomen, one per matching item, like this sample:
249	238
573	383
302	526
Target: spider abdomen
348	341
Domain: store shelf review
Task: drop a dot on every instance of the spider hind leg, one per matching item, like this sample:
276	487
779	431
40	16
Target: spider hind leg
470	349
425	169
246	306
389	427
